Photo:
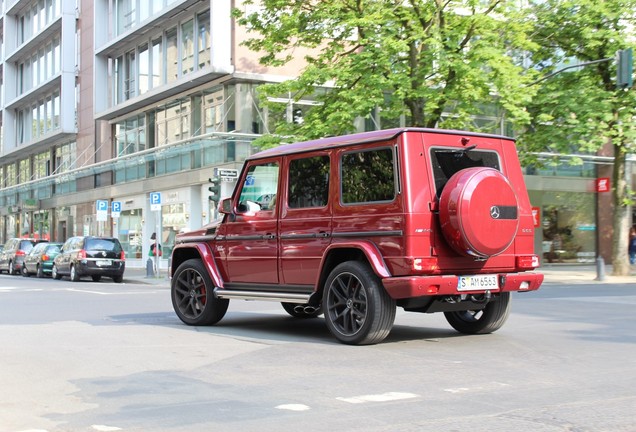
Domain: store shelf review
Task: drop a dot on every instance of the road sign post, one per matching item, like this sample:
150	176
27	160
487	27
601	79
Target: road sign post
155	205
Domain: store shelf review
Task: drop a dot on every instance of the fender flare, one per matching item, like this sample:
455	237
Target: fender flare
206	255
370	251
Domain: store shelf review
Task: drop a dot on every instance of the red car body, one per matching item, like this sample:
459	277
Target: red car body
427	220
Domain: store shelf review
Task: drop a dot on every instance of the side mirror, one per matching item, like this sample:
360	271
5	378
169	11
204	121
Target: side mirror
226	206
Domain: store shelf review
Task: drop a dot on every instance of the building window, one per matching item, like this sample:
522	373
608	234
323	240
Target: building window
203	39
187	47
130	136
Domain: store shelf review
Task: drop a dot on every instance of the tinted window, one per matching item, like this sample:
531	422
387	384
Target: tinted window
368	176
447	162
309	182
261	185
26	245
102	244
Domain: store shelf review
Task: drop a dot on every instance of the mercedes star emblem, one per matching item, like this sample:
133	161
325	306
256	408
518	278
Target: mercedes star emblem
494	212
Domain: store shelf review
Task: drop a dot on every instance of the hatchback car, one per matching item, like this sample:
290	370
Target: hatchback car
12	257
40	260
90	256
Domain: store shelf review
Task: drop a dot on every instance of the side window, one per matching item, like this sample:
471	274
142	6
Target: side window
368	176
308	182
447	161
260	188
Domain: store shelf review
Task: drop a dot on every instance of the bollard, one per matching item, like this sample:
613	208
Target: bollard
600	269
150	270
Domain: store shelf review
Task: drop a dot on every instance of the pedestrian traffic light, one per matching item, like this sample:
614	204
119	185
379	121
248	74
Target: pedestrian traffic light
624	69
215	188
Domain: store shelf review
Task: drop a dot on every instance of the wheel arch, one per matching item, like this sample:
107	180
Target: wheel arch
202	251
356	251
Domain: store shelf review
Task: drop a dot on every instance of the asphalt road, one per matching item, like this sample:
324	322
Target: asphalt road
107	357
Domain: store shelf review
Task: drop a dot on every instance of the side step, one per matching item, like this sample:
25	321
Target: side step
262	295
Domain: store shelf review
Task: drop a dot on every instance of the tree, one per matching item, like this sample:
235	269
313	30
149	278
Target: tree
582	110
414	58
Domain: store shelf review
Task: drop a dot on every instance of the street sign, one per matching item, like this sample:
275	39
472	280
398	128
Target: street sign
226	173
115	209
603	184
101	206
155	201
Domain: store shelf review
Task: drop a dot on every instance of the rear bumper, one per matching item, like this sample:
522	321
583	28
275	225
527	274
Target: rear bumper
421	286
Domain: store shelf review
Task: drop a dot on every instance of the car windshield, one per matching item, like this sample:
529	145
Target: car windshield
102	244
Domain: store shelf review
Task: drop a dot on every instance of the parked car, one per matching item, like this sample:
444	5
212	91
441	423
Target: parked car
13	254
355	226
40	260
90	256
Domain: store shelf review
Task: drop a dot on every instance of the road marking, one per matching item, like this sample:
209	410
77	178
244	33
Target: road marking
293	407
103	428
384	397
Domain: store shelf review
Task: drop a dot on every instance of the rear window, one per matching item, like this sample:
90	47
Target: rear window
103	244
448	161
26	245
53	248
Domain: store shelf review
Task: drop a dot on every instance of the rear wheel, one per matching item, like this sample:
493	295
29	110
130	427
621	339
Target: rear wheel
482	321
118	279
55	274
11	268
192	295
75	277
358	311
25	273
302	310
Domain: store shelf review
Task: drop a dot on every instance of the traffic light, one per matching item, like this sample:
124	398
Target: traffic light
215	188
624	69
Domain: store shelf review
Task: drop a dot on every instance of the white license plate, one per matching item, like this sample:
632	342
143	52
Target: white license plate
104	263
479	282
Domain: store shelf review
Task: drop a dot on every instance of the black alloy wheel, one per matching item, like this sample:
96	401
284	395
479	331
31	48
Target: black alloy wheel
358	311
193	297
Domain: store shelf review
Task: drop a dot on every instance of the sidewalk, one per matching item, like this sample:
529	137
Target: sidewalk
554	274
580	274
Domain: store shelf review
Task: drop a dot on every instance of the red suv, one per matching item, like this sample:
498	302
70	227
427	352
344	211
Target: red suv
353	226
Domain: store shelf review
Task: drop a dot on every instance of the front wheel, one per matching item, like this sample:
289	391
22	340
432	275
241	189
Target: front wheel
40	271
358	311
481	321
192	295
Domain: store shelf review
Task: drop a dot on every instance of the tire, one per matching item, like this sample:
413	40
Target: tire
118	279
303	311
358	311
39	271
483	321
192	295
75	277
96	278
11	268
55	274
24	271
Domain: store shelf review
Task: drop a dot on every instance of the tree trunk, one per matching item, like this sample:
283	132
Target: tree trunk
620	194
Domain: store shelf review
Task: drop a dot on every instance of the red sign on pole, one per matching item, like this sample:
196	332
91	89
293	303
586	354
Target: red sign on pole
603	184
536	216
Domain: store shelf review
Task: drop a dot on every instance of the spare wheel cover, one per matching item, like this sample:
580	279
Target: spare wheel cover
479	212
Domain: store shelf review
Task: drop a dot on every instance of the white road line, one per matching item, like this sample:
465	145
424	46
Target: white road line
384	397
293	407
103	428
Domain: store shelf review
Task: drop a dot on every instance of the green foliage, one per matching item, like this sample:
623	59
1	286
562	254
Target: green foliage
414	58
580	110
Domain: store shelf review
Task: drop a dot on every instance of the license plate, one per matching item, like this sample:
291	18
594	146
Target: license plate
104	263
477	283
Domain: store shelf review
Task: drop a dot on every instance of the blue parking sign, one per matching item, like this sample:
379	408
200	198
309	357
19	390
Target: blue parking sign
115	207
155	201
101	205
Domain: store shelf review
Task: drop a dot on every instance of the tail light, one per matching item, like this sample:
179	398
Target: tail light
122	255
81	254
45	257
425	264
20	253
527	262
